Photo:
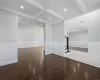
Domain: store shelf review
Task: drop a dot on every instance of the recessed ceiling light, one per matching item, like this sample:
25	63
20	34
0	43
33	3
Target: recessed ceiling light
64	9
74	30
50	2
22	7
41	24
49	18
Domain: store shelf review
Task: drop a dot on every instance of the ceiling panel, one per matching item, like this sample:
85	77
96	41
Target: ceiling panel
91	4
23	21
16	6
49	18
72	10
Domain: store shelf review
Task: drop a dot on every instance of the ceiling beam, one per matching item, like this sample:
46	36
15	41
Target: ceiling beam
58	22
24	15
55	14
38	14
18	13
36	4
82	5
41	20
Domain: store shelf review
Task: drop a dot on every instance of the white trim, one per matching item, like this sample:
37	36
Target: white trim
58	22
41	20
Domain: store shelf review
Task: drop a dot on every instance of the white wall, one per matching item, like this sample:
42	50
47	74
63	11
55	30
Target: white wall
92	21
48	38
54	39
78	39
59	38
8	37
94	33
30	35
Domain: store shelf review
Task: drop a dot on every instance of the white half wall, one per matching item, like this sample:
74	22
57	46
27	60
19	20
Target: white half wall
8	37
30	35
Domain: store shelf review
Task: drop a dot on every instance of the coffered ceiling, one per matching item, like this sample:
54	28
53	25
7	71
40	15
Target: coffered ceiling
50	11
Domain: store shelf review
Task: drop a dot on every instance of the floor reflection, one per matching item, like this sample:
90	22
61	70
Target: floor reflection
53	68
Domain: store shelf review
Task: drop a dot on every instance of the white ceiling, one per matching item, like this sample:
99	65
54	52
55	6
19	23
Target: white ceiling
42	10
28	23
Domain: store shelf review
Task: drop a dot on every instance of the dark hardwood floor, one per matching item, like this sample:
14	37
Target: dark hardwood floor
29	66
33	66
61	68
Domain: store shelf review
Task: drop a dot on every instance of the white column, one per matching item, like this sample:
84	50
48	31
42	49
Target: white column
48	39
59	39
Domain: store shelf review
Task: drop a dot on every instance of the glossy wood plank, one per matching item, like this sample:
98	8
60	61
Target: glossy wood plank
30	67
72	70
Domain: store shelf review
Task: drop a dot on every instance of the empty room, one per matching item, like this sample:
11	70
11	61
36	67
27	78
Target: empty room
49	40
